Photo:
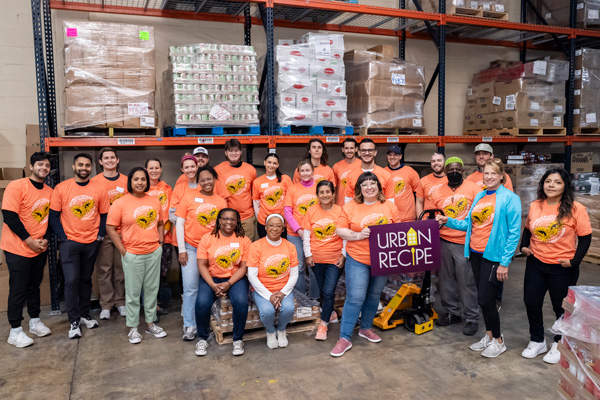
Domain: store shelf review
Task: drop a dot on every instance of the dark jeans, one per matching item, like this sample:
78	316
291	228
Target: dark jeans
539	279
487	290
262	232
238	295
327	277
26	274
77	261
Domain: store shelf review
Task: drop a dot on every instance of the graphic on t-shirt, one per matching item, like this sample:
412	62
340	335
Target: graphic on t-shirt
434	188
483	214
373	219
399	185
162	196
113	195
236	184
277	265
547	229
458	208
145	217
324	229
318	178
226	256
305	202
274	195
206	215
40	210
82	207
344	178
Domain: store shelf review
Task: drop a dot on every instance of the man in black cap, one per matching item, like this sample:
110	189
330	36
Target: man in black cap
406	184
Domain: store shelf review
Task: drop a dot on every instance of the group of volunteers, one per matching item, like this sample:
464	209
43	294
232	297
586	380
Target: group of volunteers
234	233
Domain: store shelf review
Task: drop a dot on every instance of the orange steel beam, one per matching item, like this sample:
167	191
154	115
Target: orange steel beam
505	139
585	138
332	139
153	141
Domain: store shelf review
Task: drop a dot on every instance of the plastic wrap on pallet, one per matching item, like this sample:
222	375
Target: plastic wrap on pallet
587	89
557	13
211	85
584	322
109	74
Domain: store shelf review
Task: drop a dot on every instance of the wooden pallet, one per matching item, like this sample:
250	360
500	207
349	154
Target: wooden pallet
592	258
477	13
179	130
391	131
111	132
502	16
222	337
586	131
314	130
518	132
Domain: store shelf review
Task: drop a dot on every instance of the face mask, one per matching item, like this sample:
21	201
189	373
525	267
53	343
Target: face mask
454	178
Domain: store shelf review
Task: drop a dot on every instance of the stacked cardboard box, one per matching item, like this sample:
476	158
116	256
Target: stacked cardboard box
587	93
311	86
211	84
453	5
513	95
384	92
110	75
557	12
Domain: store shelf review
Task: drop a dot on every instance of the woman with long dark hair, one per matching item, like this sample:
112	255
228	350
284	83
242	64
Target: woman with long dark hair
316	153
556	237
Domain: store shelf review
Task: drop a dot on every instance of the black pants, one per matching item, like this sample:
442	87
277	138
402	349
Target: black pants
26	274
487	290
77	261
262	232
539	279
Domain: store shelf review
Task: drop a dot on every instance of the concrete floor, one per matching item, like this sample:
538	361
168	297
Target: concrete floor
438	364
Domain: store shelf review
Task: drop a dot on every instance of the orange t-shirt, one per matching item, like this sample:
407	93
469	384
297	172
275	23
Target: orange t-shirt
115	189
219	189
138	219
273	262
271	195
482	219
357	217
342	169
477	177
550	240
224	254
455	204
321	172
238	182
164	193
300	199
80	208
429	184
33	207
325	244
200	213
383	176
405	182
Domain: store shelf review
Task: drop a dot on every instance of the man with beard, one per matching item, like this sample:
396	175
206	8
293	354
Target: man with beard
458	291
368	153
25	241
342	168
432	182
406	185
483	153
78	212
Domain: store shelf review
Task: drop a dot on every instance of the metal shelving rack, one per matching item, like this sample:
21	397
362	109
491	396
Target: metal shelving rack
311	15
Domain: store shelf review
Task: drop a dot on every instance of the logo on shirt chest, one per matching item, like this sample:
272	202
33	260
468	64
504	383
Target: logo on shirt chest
277	265
399	185
227	257
236	184
40	210
114	195
162	196
373	219
433	189
305	202
344	178
206	215
146	217
456	206
273	196
83	207
483	214
324	229
547	229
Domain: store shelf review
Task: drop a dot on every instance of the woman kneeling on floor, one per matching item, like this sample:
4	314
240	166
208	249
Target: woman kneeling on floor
273	272
222	258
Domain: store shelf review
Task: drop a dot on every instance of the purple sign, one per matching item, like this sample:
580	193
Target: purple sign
405	247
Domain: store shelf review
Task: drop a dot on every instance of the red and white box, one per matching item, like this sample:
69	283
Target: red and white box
332	103
286	100
324	117
304	101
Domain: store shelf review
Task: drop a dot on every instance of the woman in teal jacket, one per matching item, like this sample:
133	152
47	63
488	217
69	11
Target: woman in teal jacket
493	230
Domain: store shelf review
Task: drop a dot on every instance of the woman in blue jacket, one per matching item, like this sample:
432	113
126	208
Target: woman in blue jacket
493	229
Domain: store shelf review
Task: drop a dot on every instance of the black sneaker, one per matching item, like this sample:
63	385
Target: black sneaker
470	328
448	319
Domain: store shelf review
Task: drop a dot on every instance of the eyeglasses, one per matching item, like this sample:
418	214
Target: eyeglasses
366	151
228	219
368	184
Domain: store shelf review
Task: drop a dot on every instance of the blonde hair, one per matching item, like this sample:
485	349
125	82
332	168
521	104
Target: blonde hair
498	167
301	163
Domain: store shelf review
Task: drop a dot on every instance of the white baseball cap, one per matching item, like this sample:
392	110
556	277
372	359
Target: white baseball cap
482	147
200	150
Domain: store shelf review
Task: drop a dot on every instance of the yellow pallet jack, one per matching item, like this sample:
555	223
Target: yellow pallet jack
411	304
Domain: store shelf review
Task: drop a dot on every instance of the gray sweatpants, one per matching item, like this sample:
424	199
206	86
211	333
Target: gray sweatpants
458	291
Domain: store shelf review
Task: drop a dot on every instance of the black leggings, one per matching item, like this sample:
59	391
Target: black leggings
539	279
487	290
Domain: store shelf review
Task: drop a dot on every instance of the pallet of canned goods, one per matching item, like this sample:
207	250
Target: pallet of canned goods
211	85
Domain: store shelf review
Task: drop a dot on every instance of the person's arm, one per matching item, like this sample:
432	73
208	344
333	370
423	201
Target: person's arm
12	220
183	256
583	245
293	278
56	224
172	216
526	242
289	217
459	225
257	284
205	273
513	216
306	243
160	226
349	235
116	239
102	228
256	205
419	204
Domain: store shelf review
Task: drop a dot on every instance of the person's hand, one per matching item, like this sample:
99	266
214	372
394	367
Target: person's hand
222	288
37	245
340	263
44	243
442	219
183	259
526	251
276	299
565	263
300	233
365	233
310	262
123	253
502	273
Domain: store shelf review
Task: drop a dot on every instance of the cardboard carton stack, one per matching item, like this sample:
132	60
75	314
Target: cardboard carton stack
110	75
587	93
311	86
211	84
464	6
384	92
513	95
557	13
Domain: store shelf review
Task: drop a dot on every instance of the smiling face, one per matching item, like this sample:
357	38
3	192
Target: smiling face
271	165
82	168
367	152
491	178
228	221
325	196
139	182
437	163
202	159
40	170
394	159
349	150
316	150
189	169
306	172
109	161
274	227
233	155
554	186
369	190
154	170
481	157
206	180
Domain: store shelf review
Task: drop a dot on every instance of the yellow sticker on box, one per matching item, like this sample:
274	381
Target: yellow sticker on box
144	35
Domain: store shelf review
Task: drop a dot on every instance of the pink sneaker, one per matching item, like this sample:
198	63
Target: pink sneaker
334	318
341	347
321	331
369	335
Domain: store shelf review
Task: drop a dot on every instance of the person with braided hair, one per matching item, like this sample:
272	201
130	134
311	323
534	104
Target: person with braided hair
222	256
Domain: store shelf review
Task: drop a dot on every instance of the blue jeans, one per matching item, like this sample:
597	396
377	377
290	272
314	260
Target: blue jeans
267	312
238	295
190	276
327	276
363	292
313	292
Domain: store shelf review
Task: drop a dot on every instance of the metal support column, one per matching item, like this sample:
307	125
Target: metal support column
523	53
402	39
442	74
571	86
268	75
247	26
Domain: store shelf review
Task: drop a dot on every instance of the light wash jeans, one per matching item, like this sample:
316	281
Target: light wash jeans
313	286
267	312
190	277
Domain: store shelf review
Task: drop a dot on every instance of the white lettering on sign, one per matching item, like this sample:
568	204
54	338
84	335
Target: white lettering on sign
404	258
137	108
219	113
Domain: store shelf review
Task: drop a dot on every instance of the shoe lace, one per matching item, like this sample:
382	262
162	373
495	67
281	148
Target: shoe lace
202	345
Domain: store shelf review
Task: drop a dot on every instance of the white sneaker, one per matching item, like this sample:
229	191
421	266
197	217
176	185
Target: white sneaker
553	355
122	311
18	338
89	322
105	314
534	349
189	333
272	340
74	331
201	347
494	349
282	339
156	331
482	344
37	327
238	348
134	336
